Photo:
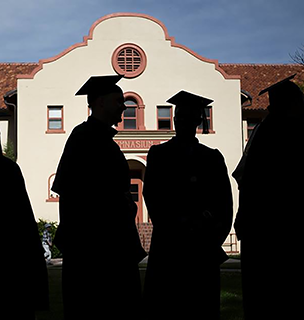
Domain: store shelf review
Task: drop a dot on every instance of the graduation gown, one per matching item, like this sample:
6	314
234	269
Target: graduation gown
24	280
268	221
188	196
97	232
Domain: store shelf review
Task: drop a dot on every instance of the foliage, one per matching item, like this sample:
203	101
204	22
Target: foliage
300	85
54	225
8	150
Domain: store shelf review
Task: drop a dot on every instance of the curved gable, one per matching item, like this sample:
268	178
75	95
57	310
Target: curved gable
120	15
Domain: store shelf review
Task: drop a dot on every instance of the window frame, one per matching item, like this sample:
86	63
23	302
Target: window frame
50	130
164	118
140	112
130	118
199	129
142	57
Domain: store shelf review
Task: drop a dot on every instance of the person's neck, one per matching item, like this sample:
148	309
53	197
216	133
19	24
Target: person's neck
102	119
185	140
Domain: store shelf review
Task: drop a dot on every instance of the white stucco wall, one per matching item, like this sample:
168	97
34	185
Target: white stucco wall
3	132
169	69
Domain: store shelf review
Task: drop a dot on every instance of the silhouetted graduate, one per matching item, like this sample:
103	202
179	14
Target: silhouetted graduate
188	196
269	219
24	280
97	232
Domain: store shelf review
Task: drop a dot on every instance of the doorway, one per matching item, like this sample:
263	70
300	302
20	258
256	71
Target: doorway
136	192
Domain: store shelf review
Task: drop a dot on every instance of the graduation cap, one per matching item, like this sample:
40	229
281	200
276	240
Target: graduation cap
278	86
184	99
283	93
99	85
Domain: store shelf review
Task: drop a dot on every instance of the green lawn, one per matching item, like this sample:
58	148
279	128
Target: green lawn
231	296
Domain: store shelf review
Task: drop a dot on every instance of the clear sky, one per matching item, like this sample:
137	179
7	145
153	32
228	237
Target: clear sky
232	31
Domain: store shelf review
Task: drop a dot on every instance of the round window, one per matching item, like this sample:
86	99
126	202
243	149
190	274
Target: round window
129	60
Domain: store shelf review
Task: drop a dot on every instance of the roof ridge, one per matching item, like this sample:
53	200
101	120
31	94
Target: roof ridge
18	63
260	64
221	64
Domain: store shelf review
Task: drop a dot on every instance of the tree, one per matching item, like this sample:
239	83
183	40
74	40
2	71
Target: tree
298	56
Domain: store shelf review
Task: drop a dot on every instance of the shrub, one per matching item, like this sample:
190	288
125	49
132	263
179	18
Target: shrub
8	151
54	225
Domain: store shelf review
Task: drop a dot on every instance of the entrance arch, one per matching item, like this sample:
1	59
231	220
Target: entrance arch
137	172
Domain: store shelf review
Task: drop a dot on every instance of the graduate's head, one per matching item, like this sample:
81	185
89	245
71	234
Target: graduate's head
189	113
105	98
285	97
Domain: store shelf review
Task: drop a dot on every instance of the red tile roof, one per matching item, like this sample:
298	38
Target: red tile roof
8	77
254	78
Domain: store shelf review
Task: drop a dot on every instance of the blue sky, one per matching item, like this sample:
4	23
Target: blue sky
232	31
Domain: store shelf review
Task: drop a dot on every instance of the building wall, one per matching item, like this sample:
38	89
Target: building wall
3	132
170	68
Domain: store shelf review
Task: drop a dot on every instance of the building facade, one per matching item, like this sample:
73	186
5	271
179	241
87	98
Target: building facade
155	68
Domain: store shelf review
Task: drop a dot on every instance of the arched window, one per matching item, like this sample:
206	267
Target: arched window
130	115
52	196
133	116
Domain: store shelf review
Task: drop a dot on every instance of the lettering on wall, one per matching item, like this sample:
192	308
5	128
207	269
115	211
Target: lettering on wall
137	144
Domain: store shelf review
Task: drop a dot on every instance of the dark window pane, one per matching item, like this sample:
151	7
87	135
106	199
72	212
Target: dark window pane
207	112
164	112
130	113
201	125
134	188
250	133
164	124
134	192
134	197
251	123
130	123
